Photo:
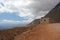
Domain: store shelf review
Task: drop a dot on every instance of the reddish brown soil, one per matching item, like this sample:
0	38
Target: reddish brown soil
41	32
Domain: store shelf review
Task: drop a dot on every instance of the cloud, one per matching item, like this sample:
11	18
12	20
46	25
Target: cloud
5	24
40	7
19	6
14	22
17	21
28	8
10	21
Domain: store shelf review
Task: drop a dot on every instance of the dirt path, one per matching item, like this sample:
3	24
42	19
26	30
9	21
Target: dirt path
42	32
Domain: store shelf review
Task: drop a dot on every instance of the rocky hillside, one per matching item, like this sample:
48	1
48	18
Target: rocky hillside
35	22
55	13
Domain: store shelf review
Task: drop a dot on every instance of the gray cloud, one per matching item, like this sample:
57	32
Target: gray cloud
42	5
36	7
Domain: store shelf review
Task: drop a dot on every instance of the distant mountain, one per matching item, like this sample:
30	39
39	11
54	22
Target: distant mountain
35	22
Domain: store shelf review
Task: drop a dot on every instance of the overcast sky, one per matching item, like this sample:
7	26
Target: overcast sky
42	7
24	11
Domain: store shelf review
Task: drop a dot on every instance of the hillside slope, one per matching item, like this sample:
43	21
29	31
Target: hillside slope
9	34
55	13
41	32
